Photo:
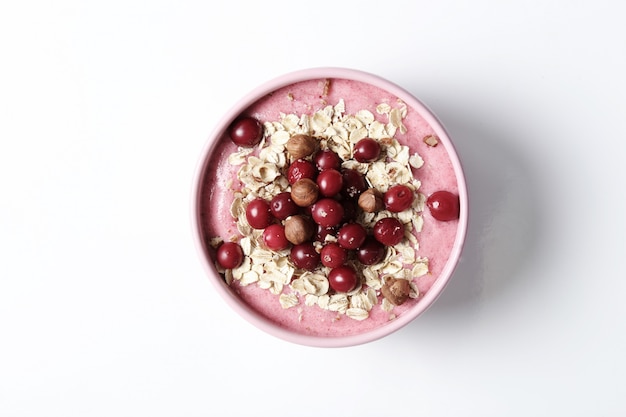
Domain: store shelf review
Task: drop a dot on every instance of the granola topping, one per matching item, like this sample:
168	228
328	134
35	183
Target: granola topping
262	173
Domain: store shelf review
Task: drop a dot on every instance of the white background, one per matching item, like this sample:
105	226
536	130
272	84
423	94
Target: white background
105	309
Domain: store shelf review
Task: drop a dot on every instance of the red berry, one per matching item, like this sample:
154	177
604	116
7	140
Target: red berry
389	231
229	255
366	150
258	213
301	168
333	255
353	183
398	198
327	212
443	205
282	206
371	251
327	159
246	131
323	231
330	182
274	237
351	236
343	278
304	256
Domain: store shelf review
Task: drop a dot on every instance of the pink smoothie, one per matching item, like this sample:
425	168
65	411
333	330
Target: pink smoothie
436	239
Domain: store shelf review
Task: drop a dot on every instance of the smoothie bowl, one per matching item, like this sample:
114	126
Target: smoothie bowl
329	207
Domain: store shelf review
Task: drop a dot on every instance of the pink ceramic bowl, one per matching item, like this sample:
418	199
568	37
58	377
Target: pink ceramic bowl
313	323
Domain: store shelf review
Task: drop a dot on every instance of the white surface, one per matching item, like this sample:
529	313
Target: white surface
104	307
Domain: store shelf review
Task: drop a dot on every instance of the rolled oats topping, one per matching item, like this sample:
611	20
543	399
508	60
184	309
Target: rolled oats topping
262	174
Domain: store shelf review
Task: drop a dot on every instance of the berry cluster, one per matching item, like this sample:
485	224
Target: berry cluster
324	200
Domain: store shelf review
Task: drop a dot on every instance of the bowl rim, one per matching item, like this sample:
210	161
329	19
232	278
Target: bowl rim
244	309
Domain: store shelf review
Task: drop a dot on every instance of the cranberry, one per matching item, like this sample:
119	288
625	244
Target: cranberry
301	168
398	198
274	237
327	159
323	231
366	150
229	255
304	256
371	251
351	236
246	131
443	205
353	183
388	231
327	212
343	278
258	213
282	206
333	255
330	182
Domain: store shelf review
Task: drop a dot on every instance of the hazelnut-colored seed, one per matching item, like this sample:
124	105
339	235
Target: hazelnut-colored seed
396	291
300	146
304	192
371	200
298	229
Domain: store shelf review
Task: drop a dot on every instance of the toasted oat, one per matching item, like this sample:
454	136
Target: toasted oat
416	161
288	300
357	313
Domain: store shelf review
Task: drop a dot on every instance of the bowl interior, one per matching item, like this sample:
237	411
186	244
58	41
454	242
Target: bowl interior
304	92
